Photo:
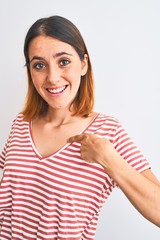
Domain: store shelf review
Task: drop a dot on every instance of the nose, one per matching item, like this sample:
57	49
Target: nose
53	74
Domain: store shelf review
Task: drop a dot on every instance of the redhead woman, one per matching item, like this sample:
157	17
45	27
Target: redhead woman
62	159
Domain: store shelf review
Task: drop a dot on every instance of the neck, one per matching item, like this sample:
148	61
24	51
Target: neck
59	117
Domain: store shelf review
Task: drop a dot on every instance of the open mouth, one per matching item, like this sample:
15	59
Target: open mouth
56	90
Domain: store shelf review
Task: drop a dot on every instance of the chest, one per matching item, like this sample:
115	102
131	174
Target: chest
48	139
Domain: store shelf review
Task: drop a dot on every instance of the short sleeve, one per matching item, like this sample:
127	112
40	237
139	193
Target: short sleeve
3	153
128	150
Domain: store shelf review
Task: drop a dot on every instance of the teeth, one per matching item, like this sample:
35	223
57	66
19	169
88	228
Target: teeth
56	90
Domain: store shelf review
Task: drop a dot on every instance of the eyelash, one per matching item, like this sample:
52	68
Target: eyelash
41	65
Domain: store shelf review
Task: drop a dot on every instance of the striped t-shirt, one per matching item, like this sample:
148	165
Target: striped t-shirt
60	196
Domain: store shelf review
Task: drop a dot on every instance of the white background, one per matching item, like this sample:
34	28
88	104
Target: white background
123	38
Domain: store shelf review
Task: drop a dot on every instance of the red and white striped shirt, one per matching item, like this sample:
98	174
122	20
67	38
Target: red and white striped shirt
60	196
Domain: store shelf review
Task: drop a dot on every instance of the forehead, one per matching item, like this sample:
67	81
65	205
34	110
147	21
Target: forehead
45	44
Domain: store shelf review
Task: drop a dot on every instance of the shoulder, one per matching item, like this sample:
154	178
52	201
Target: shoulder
106	126
20	117
107	119
19	121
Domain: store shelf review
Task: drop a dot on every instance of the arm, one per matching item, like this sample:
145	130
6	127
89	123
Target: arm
142	189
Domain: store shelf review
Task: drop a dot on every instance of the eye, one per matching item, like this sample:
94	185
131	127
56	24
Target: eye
39	66
64	62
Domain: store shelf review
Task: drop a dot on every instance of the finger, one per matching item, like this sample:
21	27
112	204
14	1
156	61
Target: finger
77	138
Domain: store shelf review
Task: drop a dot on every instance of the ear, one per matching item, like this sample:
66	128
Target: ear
84	65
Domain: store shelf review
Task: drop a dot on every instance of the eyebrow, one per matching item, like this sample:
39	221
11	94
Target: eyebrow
61	53
54	56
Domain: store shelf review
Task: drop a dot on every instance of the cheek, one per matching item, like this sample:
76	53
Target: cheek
37	80
75	80
35	83
75	76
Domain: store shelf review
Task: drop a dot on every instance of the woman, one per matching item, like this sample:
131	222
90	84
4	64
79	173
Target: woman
62	159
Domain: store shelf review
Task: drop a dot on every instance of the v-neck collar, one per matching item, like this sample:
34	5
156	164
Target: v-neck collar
63	147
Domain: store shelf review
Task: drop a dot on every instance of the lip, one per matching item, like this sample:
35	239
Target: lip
56	90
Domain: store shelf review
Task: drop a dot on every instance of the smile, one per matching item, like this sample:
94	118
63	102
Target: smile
56	90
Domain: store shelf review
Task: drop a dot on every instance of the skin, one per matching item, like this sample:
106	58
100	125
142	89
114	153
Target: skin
56	71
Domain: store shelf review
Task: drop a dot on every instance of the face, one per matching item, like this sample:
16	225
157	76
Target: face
56	70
